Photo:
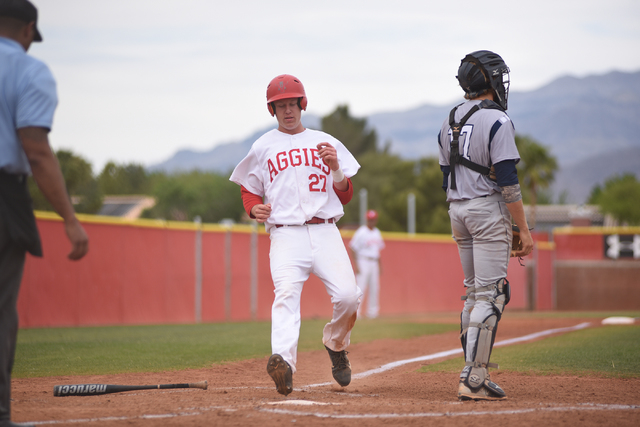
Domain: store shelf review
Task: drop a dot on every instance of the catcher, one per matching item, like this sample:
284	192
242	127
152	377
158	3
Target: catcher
478	157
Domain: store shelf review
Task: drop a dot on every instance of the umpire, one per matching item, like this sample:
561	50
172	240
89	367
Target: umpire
478	157
27	102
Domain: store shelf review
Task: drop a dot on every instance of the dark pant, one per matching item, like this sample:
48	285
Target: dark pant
11	266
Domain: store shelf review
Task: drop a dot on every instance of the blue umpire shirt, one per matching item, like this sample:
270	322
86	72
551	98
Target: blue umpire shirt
27	98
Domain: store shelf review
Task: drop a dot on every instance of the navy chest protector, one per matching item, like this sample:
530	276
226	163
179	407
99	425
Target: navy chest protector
454	153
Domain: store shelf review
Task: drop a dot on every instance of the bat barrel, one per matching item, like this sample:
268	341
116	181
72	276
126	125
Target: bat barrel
98	389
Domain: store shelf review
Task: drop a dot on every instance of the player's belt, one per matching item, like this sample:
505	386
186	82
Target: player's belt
17	177
314	220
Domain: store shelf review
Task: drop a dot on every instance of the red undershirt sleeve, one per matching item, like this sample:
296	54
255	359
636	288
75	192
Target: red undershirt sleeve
346	195
249	200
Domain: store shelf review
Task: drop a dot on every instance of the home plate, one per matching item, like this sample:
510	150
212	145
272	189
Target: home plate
618	320
301	403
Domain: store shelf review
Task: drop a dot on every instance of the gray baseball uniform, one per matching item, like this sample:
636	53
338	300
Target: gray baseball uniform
480	220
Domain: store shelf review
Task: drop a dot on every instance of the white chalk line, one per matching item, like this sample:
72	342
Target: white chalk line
301	403
582	407
381	369
579	407
448	353
194	412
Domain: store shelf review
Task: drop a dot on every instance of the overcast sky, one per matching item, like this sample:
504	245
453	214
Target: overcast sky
140	79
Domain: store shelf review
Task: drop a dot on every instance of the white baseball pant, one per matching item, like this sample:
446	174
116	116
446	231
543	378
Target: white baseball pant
295	253
368	280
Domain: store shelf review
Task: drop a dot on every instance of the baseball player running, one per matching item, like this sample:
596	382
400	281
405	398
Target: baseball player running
366	245
478	159
295	181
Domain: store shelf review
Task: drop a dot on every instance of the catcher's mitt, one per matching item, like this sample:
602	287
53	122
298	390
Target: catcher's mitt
516	243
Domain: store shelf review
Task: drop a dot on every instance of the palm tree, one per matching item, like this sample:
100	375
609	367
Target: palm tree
536	169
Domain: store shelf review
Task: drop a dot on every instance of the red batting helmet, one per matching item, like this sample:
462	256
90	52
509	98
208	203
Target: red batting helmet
286	86
371	214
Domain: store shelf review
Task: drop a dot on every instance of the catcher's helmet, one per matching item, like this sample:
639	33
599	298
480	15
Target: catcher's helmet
283	87
481	71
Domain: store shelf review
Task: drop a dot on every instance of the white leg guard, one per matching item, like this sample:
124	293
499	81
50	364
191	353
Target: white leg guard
475	382
469	300
477	375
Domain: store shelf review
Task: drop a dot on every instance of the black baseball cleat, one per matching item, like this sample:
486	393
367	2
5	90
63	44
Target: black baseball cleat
280	372
341	368
488	391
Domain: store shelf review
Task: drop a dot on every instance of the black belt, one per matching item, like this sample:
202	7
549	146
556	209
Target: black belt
17	177
314	220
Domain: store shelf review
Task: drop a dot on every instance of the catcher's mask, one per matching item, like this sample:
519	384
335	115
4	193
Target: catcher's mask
482	71
285	86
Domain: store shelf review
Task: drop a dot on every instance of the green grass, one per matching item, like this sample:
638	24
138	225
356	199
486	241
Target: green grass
612	351
109	350
609	351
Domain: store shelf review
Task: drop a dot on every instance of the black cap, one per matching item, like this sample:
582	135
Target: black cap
22	10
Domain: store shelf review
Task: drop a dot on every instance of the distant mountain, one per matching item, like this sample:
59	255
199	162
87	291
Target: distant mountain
577	180
575	117
580	119
223	157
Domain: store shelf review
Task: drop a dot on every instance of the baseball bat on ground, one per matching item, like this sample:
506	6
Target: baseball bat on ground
96	389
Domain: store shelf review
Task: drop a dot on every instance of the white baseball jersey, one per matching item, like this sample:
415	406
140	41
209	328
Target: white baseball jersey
288	173
367	243
487	138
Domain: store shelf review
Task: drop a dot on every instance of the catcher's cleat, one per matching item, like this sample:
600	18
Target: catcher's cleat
280	372
341	368
488	391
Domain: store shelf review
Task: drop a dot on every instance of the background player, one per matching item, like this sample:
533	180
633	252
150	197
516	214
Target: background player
28	101
478	159
366	245
295	181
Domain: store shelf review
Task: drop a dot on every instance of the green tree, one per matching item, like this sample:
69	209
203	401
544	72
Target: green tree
182	197
383	176
389	180
432	214
81	185
619	198
352	132
536	170
124	179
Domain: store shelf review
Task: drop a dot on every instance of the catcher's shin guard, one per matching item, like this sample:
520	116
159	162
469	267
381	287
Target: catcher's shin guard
463	335
502	296
469	299
475	376
475	383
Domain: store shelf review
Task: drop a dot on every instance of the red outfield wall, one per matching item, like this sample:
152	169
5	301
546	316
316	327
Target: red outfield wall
597	268
144	272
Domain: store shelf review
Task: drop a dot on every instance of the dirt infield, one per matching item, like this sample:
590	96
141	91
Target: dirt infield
242	394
